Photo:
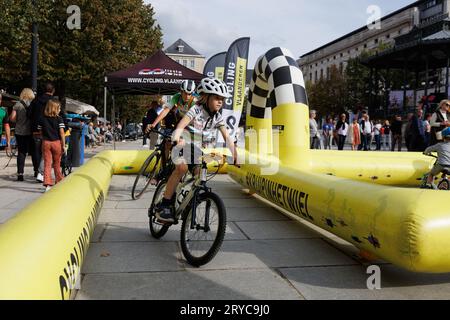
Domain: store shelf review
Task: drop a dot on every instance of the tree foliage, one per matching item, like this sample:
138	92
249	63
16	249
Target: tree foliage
114	34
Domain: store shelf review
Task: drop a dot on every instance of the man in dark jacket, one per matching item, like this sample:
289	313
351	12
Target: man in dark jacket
37	108
417	132
396	129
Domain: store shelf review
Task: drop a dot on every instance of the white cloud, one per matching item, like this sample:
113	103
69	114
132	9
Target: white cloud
210	26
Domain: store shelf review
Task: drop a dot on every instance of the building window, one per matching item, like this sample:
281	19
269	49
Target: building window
321	74
341	68
430	4
310	77
388	36
365	45
180	48
342	55
192	64
357	49
376	41
185	63
316	76
334	57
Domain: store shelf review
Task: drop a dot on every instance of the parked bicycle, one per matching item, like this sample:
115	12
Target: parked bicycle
444	182
157	166
201	211
14	148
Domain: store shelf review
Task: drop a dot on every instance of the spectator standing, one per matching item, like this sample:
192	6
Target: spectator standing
408	131
439	122
314	131
51	127
396	130
355	135
417	132
4	123
386	136
328	129
427	126
342	128
366	132
23	135
150	117
377	134
36	113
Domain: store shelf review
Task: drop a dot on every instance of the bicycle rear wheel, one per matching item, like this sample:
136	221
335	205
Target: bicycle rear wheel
157	229
145	175
202	237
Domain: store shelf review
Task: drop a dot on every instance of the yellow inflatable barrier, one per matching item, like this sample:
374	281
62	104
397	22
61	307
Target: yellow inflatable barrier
364	198
43	247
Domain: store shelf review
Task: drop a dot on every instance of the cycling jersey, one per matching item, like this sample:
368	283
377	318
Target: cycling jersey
178	109
203	127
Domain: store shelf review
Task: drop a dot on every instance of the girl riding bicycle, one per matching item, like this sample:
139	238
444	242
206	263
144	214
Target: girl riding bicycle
202	120
443	162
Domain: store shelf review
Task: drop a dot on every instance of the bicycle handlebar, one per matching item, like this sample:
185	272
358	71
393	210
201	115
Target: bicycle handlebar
430	155
161	133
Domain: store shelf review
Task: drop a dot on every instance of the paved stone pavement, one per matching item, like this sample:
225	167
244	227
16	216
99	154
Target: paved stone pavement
266	254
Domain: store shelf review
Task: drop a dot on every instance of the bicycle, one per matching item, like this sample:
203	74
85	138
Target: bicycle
117	135
156	159
202	212
66	159
444	182
14	148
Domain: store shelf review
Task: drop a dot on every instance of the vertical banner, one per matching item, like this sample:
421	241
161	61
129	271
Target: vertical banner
235	76
215	66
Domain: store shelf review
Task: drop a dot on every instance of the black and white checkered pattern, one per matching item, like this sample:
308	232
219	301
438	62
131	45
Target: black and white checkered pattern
276	80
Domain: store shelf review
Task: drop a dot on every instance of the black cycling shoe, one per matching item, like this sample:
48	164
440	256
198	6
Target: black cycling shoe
165	214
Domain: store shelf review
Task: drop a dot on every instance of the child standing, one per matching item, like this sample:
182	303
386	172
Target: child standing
443	162
51	127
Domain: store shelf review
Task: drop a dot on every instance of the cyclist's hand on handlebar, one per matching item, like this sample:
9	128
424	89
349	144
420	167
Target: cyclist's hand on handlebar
180	142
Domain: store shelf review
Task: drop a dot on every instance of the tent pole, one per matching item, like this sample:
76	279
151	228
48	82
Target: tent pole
113	119
105	103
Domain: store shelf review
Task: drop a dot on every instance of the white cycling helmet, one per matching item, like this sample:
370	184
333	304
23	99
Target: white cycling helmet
213	86
188	86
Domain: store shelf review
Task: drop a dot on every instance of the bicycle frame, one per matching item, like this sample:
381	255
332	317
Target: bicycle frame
199	184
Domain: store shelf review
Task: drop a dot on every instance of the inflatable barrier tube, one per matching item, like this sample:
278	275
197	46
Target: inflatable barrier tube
407	227
43	247
406	169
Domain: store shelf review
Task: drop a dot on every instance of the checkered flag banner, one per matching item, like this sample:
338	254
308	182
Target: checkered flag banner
276	80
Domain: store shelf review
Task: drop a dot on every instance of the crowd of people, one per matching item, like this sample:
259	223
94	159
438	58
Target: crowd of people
416	132
40	132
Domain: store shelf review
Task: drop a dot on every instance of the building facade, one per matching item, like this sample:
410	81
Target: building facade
184	54
317	63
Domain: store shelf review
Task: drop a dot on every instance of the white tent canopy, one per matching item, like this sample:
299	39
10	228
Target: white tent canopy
80	107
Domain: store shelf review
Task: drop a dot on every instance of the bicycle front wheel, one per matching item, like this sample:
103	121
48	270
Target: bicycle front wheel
146	174
157	229
203	231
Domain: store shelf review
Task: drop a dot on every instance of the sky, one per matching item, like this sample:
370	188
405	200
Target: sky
210	26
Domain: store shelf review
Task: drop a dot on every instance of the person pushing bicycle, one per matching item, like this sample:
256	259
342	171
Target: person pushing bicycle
202	121
443	162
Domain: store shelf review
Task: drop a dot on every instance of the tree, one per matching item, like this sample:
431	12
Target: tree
113	35
329	95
